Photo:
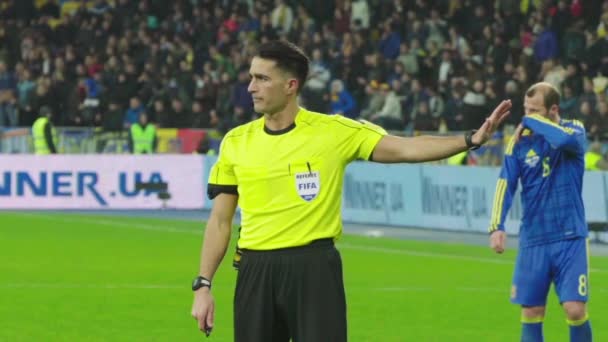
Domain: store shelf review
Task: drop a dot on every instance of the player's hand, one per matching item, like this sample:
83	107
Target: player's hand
498	240
485	132
203	309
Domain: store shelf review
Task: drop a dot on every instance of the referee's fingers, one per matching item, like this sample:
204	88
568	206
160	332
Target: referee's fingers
210	316
201	322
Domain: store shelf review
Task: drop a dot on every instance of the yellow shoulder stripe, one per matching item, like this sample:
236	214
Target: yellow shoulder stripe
544	120
510	146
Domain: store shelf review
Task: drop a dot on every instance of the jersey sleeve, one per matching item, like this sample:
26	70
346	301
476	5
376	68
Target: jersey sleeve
571	139
505	189
222	178
359	138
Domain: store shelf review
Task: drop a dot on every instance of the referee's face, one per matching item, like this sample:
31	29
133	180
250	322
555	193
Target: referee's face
270	87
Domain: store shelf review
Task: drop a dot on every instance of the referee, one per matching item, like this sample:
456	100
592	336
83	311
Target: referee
285	171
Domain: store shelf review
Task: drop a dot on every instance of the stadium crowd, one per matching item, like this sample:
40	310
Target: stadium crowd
406	65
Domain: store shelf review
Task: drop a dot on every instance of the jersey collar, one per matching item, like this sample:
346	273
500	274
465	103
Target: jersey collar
286	129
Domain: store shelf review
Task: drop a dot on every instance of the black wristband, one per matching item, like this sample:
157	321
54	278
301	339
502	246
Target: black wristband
199	282
468	138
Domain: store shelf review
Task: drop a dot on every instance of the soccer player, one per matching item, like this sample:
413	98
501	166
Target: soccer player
286	171
546	155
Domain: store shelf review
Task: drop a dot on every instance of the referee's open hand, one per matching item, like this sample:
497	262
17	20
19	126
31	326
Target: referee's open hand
485	132
203	309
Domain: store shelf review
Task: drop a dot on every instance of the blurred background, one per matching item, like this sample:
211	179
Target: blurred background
411	66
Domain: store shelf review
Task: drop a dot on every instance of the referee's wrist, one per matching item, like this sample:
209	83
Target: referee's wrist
201	282
468	139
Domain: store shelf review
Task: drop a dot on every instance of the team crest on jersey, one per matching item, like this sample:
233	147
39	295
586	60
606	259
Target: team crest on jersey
308	185
532	158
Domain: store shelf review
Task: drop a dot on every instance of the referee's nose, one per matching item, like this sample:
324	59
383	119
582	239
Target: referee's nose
252	88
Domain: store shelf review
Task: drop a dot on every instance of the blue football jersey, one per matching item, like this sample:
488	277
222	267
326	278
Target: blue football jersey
549	163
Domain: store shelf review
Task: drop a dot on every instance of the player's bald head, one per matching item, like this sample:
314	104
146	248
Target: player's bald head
549	93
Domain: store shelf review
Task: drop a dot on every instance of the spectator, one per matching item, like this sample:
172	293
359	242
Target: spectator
375	100
179	115
390	42
315	87
142	136
113	119
411	104
132	114
586	115
573	79
25	89
436	104
282	17
341	101
240	95
200	116
390	116
8	99
545	47
474	105
568	103
204	146
424	120
409	58
360	15
513	92
599	123
594	159
43	133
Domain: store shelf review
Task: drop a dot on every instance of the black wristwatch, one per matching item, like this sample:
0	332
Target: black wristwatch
199	282
468	138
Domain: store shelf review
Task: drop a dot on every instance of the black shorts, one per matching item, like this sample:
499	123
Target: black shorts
292	293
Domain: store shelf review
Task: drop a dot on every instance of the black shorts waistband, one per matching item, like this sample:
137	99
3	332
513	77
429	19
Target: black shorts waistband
321	243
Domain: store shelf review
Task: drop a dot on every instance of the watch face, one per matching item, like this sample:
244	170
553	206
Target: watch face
200	282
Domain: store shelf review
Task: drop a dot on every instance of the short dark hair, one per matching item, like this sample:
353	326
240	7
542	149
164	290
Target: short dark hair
550	93
288	57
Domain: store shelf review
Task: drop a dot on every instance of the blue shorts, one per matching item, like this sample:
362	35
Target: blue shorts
565	263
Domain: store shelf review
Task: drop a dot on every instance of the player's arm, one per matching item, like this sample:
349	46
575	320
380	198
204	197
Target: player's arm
393	149
569	139
506	186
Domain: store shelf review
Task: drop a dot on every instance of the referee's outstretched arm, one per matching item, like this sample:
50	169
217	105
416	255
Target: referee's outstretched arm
217	237
393	149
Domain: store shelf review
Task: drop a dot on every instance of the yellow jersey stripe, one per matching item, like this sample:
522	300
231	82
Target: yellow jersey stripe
501	187
510	146
542	119
496	199
501	199
494	204
588	259
575	122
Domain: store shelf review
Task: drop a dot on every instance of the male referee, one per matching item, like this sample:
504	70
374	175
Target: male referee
286	171
547	156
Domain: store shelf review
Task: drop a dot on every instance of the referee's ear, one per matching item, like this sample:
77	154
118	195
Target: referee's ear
293	86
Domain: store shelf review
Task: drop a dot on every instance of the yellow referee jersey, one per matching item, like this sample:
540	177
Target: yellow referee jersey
290	182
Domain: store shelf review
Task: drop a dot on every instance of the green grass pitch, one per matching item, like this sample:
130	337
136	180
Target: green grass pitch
67	277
